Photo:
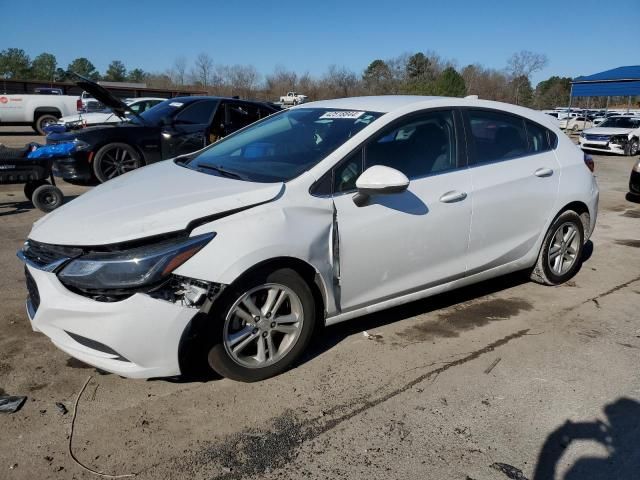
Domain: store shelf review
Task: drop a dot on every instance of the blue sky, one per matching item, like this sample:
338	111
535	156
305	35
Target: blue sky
151	34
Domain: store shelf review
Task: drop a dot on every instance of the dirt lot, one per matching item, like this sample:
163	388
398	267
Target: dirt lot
541	379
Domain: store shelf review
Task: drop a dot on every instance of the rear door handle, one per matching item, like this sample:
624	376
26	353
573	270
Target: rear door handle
543	172
453	196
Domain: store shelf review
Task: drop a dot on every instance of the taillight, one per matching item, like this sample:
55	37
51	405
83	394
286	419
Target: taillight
79	105
588	161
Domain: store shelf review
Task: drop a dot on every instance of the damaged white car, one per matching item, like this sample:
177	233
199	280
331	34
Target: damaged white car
619	135
318	214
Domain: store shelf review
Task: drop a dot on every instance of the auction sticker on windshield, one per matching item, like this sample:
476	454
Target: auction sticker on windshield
342	114
176	104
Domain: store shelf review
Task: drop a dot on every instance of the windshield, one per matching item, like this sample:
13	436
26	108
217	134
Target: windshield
621	122
282	146
156	116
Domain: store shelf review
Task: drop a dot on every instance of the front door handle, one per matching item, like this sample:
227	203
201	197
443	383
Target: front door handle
543	172
453	196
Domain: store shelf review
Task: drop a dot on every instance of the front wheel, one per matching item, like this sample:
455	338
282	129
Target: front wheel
265	323
560	256
47	198
115	159
634	147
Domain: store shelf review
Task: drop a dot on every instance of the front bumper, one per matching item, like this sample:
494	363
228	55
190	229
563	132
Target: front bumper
138	337
73	169
598	146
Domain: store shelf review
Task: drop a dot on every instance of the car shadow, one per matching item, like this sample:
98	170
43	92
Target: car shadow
619	434
24	206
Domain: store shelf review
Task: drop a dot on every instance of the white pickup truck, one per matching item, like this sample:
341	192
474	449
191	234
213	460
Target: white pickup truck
293	98
36	111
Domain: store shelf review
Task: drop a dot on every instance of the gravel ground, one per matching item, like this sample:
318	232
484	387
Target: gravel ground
481	383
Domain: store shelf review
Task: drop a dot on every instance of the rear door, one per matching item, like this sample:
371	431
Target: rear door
188	130
515	177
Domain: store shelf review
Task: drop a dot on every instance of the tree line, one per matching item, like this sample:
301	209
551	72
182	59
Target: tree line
421	73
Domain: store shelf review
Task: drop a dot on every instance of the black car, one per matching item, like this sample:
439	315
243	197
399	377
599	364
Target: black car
174	127
634	180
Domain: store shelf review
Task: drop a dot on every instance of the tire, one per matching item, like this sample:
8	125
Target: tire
575	128
634	147
31	187
570	252
42	121
47	198
229	358
114	159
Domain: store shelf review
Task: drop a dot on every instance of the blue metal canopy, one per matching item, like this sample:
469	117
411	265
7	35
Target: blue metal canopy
619	82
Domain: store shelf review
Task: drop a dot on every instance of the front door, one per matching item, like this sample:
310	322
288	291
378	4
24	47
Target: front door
404	242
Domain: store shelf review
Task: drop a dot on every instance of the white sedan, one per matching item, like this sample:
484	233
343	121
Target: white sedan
135	106
315	215
619	135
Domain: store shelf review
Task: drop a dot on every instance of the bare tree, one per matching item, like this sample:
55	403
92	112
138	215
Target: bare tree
179	70
203	69
521	65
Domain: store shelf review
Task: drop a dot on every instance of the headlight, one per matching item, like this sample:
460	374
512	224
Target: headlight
132	268
619	139
583	135
81	145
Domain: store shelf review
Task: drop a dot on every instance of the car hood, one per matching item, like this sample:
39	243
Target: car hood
154	200
103	96
608	131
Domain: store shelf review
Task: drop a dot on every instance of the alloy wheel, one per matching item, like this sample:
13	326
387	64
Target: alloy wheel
263	325
116	161
564	248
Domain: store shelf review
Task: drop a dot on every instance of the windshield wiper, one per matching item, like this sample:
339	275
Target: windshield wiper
223	171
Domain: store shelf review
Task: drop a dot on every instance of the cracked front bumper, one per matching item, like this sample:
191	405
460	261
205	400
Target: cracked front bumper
138	337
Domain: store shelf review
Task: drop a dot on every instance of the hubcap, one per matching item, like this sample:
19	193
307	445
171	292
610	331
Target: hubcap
564	247
117	161
263	325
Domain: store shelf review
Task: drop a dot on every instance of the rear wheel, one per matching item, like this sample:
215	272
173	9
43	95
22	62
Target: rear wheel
47	197
44	120
266	322
561	252
115	159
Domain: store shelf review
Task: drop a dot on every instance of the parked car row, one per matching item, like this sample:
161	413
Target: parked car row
233	253
171	128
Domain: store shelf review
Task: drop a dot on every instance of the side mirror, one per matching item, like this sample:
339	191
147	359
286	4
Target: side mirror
379	180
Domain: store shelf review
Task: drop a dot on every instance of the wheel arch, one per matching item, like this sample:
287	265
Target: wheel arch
583	212
308	273
39	111
138	150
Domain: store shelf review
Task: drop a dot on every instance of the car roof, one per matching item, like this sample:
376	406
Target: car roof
378	103
193	98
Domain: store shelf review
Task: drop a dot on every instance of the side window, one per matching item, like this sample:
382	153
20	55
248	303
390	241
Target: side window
137	107
346	174
496	136
197	113
264	112
241	115
421	145
538	138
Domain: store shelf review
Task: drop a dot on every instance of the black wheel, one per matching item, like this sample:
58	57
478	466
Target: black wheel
634	147
115	159
561	252
44	120
264	324
30	187
47	197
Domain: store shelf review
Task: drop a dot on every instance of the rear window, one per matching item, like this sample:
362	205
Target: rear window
538	137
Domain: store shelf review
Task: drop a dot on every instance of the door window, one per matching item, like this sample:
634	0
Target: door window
496	136
538	138
196	114
346	174
419	146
